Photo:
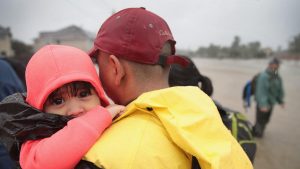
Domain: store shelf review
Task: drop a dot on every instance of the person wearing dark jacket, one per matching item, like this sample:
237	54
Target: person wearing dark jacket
268	92
5	160
9	84
9	81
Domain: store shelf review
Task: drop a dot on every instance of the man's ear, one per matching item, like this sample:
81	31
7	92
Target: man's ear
118	69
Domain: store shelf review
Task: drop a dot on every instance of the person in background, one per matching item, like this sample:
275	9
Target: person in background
9	84
163	127
5	160
268	91
9	81
18	66
238	124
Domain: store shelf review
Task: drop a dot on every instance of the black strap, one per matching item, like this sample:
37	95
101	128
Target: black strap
162	60
195	164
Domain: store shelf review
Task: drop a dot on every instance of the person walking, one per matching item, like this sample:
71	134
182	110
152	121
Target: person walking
268	91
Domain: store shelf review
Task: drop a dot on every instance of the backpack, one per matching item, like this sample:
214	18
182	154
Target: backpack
249	90
240	128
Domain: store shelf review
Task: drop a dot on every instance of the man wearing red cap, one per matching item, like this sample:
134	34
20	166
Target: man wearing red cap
162	128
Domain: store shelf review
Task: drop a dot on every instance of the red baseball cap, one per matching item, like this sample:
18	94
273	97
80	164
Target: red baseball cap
137	35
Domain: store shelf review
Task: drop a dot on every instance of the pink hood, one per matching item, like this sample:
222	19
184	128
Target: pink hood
55	65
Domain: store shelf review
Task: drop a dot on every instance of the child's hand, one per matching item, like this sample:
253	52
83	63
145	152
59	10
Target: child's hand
115	110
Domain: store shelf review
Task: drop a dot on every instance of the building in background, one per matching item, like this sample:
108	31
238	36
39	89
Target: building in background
5	42
72	36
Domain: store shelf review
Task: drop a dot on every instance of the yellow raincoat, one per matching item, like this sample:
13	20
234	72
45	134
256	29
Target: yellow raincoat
162	129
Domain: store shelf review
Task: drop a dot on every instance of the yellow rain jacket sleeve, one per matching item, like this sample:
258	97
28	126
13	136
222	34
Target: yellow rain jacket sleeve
163	129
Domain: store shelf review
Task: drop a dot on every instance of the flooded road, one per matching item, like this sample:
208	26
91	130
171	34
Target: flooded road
280	146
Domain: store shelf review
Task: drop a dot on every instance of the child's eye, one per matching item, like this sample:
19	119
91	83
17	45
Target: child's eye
84	93
58	101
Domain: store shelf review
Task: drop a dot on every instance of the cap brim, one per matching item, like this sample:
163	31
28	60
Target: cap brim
175	59
92	52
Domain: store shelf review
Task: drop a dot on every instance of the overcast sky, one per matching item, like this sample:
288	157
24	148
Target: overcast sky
194	23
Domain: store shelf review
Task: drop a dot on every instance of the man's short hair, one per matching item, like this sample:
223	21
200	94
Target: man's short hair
274	61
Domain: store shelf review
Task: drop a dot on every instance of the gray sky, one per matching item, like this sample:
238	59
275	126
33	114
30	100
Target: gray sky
194	23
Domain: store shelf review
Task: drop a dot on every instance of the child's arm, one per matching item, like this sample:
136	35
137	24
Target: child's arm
65	148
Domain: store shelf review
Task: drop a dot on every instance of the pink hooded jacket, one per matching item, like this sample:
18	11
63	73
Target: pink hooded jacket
50	68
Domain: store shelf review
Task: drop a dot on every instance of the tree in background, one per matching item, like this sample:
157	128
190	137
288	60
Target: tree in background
236	50
294	45
255	50
23	52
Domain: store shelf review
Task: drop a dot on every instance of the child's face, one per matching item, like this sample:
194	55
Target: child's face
67	103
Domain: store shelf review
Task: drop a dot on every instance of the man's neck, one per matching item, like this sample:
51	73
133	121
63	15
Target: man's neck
136	90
